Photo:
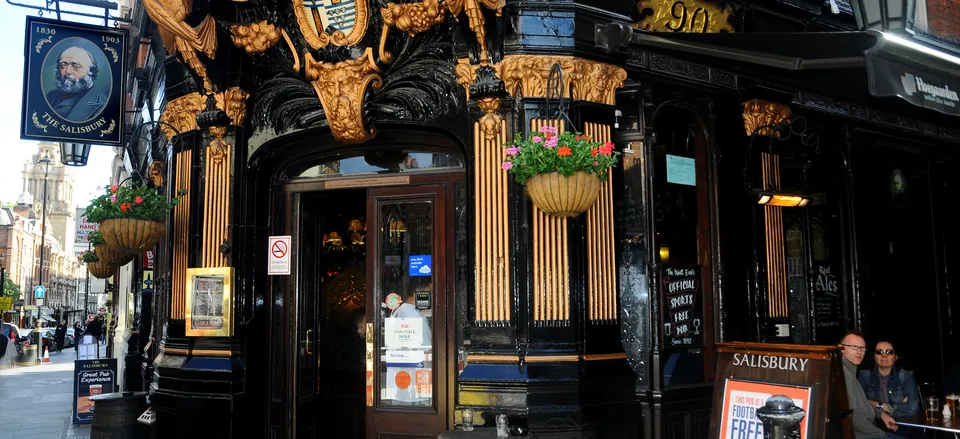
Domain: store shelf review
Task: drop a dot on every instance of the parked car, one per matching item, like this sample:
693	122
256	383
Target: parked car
47	337
12	332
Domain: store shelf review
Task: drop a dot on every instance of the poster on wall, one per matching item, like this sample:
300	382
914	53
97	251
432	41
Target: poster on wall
826	298
682	307
91	378
741	399
209	307
73	88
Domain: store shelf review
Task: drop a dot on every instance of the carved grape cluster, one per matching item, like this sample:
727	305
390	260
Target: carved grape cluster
256	37
413	18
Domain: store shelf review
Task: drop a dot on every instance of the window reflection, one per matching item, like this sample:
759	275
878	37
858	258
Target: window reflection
378	162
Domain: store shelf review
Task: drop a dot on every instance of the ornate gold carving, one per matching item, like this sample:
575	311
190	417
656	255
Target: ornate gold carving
293	50
760	116
411	18
109	129
415	18
43	41
155	174
475	18
116	56
526	75
36	122
319	38
182	112
490	122
694	16
234	104
179	37
341	88
218	146
256	37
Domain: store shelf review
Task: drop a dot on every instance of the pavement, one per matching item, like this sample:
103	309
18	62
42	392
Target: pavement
36	401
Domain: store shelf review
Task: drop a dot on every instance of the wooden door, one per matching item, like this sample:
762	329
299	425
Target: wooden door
407	309
308	244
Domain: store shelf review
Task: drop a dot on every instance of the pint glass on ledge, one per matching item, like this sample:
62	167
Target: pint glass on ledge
933	409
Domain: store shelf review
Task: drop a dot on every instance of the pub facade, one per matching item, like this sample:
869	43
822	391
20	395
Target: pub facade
783	171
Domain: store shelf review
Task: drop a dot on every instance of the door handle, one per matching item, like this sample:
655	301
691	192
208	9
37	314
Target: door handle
308	343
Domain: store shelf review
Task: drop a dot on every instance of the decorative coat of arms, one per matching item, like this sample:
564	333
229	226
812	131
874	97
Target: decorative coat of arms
337	22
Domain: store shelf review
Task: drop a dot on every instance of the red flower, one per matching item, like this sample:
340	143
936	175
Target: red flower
548	136
113	189
564	151
594	152
138	200
124	206
607	148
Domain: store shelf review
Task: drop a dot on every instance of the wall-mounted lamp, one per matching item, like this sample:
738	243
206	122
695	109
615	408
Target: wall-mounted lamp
664	253
767	198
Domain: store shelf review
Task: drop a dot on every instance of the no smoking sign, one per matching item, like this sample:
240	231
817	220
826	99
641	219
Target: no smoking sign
278	261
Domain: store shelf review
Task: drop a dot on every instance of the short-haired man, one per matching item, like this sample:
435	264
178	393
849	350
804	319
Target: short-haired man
864	415
75	75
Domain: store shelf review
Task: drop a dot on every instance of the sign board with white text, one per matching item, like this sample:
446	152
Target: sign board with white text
278	256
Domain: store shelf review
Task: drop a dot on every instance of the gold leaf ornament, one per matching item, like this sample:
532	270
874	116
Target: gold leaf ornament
36	122
43	41
180	38
691	16
256	37
341	88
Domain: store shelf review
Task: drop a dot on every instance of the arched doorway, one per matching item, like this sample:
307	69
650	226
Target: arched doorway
369	303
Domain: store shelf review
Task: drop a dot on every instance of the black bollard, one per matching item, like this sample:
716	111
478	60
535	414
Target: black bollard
781	419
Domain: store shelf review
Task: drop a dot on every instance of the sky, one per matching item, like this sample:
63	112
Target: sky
15	152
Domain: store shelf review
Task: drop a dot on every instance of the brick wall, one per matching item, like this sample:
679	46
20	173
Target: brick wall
943	18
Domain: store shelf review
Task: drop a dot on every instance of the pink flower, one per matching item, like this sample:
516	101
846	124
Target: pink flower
548	129
113	198
507	166
511	151
551	142
138	200
537	139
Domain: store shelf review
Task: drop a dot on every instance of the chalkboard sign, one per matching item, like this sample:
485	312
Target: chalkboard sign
682	311
826	298
91	378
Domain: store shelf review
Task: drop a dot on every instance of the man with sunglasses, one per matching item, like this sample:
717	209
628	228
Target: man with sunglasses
888	387
864	414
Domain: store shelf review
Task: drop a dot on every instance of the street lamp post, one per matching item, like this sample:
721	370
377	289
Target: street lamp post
43	238
3	275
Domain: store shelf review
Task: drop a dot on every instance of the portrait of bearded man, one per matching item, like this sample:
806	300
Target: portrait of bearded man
73	99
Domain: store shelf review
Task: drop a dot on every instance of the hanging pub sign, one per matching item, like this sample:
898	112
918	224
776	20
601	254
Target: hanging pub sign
682	310
73	83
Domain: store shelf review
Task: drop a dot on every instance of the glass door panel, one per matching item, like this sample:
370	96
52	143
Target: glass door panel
406	316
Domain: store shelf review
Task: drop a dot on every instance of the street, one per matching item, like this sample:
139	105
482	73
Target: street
36	400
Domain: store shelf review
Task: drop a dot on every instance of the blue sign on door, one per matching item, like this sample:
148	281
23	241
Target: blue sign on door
39	291
420	265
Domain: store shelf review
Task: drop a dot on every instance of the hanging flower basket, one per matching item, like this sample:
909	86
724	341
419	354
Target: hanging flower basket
100	269
561	196
131	235
131	218
561	172
112	256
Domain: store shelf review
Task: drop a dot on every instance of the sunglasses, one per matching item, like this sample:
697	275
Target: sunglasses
884	351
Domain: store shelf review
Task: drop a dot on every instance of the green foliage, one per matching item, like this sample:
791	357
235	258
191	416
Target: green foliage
136	202
88	256
546	151
95	238
11	289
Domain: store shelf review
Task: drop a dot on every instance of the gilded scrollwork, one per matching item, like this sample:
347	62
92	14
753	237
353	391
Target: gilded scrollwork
155	174
317	34
181	113
760	116
491	120
341	88
256	37
415	18
179	37
412	18
693	16
592	81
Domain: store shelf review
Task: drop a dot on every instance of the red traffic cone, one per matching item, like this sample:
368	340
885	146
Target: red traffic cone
46	354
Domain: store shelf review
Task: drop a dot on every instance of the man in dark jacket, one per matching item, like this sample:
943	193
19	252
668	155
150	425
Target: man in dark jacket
864	415
60	334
